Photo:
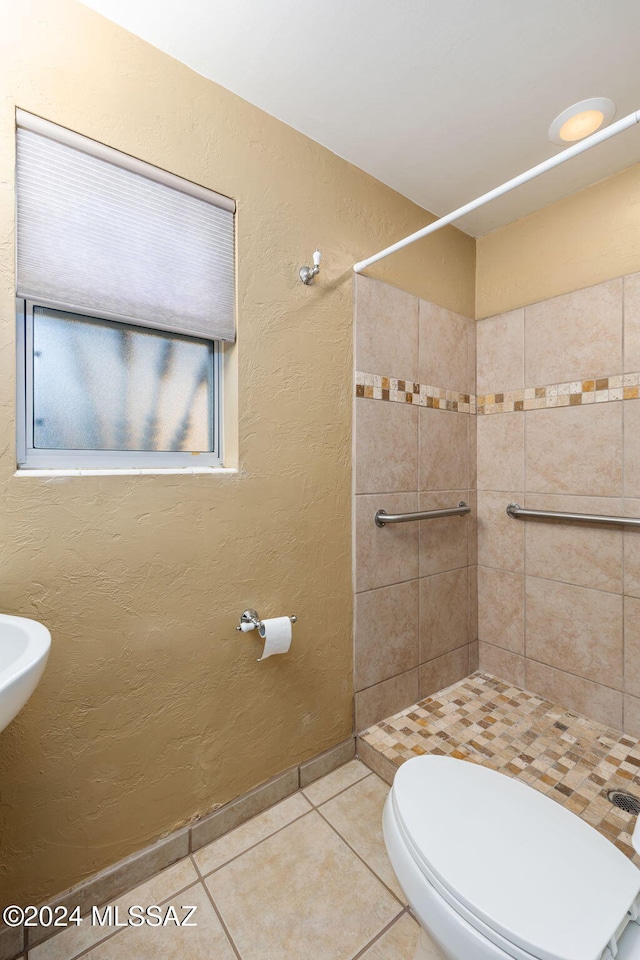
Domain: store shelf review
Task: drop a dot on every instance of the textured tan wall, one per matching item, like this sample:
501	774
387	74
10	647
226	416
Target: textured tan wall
590	236
152	708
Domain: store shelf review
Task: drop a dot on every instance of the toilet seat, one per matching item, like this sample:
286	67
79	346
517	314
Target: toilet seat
519	867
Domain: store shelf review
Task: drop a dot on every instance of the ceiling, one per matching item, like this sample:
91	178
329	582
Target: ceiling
440	99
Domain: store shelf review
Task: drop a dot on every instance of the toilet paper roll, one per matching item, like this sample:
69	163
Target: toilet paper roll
276	634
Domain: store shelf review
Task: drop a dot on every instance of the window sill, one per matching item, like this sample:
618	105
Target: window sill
127	472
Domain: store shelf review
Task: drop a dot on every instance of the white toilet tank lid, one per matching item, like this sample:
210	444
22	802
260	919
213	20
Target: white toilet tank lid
531	870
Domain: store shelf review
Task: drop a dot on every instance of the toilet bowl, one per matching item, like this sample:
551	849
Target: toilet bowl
494	869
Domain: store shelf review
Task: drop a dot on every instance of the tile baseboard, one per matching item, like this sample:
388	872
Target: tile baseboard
11	942
325	762
144	864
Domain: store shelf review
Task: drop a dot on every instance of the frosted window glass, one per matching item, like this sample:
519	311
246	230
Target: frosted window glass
100	385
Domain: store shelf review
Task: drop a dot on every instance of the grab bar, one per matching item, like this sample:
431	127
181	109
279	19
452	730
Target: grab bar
382	517
516	512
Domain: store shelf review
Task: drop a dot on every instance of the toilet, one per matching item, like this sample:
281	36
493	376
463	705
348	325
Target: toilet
493	869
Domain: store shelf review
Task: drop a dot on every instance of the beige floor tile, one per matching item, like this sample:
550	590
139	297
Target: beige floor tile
206	941
73	940
398	943
357	816
301	893
250	833
336	781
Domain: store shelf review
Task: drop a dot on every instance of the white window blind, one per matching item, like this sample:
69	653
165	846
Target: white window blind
110	236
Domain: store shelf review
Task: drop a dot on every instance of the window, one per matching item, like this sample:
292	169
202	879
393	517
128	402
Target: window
125	299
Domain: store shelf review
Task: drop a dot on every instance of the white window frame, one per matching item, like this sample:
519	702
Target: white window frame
32	458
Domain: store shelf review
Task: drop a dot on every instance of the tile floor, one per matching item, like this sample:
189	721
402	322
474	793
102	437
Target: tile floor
308	878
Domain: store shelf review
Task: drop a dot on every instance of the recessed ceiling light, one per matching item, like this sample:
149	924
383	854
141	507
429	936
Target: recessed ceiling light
581	119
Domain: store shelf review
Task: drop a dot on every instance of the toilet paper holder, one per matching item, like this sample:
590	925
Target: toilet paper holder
250	621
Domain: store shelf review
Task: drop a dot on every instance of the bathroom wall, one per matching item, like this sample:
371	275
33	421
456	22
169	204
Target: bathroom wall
559	429
590	236
414	449
153	709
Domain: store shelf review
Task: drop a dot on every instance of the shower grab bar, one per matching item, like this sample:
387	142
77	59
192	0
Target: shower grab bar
382	517
516	512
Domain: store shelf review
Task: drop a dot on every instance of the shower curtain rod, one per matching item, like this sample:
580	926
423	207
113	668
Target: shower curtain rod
531	174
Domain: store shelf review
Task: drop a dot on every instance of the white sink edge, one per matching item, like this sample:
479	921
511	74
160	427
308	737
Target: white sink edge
38	648
20	677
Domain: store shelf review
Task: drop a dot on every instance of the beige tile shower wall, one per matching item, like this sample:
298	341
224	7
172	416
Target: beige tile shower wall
559	604
415	583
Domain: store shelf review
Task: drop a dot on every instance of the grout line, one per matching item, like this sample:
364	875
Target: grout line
253	845
568	583
559	670
384	930
340	792
114	933
361	858
396	583
419	664
216	911
342	839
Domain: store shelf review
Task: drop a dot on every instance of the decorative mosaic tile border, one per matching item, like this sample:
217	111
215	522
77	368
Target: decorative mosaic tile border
374	386
576	393
563	754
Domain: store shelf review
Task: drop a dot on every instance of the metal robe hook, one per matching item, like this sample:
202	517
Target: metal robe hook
308	273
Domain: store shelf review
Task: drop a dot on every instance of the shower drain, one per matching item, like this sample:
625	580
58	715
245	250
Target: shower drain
626	801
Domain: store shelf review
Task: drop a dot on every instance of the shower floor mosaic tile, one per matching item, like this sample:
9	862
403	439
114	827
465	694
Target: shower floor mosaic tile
482	719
